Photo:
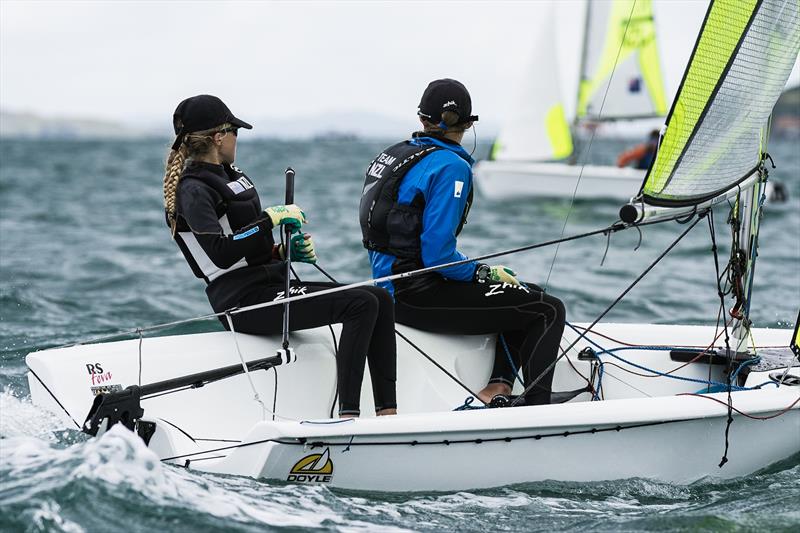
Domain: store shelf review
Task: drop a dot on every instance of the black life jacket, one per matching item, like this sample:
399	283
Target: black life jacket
386	225
240	203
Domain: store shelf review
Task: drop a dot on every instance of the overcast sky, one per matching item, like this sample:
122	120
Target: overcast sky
134	61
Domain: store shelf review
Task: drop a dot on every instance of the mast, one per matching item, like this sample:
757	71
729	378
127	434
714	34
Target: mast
747	215
573	158
714	147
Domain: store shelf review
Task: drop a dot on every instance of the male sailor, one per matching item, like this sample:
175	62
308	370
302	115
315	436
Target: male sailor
414	204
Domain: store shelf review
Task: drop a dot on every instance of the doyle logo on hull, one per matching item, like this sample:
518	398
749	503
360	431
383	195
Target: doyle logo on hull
314	468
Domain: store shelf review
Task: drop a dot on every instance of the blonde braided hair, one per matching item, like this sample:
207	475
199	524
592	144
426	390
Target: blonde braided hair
194	145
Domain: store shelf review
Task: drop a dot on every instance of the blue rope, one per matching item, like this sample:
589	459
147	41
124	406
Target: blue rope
468	405
708	383
510	360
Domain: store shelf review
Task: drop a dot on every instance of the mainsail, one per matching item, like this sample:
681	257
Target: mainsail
619	46
620	39
716	129
538	127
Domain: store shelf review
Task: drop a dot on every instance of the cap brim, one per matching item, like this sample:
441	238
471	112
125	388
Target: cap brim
240	123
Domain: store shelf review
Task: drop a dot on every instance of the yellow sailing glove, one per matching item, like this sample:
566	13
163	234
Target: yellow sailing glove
302	249
504	274
498	273
288	215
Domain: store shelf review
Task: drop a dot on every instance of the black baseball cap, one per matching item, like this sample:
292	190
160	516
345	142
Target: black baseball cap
202	112
446	95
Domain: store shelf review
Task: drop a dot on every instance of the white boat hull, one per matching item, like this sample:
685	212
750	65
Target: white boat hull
506	180
220	428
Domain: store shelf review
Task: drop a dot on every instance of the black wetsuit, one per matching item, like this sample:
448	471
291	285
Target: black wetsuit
227	240
529	320
448	301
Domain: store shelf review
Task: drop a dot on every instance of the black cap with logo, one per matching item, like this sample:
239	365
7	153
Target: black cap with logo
446	95
202	112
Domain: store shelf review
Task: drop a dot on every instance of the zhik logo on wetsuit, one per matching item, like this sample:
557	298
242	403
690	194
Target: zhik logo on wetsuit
314	468
498	288
293	291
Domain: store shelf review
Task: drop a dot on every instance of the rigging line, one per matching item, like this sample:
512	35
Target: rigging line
417	348
256	397
779	413
303	441
333	337
609	308
235	310
426	270
139	331
589	146
609	374
54	397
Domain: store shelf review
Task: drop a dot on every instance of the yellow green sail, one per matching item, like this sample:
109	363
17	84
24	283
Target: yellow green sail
715	131
621	70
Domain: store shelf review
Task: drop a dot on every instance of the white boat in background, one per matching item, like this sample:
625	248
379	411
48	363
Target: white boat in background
619	80
669	402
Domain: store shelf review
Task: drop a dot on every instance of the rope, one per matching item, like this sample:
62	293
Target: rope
374	281
446	442
607	309
589	148
256	397
417	348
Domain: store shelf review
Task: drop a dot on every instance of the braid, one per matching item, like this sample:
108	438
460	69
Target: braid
175	163
193	145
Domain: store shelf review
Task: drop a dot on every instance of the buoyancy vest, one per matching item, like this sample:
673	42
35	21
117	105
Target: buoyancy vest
238	206
386	225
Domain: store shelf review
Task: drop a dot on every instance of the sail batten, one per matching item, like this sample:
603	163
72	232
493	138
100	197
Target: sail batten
715	130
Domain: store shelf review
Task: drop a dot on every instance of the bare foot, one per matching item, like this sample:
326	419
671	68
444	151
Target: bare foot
384	412
348	416
493	389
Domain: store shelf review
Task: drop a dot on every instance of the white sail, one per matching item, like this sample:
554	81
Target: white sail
537	127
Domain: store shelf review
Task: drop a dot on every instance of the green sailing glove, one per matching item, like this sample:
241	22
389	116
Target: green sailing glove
302	249
288	215
499	273
504	274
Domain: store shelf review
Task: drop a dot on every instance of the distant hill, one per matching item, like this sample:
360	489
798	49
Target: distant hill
322	126
32	126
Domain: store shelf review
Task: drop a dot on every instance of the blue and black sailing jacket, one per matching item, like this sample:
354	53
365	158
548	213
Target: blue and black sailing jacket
440	183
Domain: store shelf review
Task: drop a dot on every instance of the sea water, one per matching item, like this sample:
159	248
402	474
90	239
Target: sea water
84	251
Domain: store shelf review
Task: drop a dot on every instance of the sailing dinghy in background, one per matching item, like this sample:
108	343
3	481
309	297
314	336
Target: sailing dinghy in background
620	79
218	402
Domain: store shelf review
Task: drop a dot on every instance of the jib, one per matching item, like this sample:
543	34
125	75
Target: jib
309	478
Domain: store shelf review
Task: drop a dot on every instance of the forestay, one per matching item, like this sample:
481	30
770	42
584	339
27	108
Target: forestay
716	128
620	40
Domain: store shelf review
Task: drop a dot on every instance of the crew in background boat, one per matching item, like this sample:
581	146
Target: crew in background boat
216	218
641	155
414	204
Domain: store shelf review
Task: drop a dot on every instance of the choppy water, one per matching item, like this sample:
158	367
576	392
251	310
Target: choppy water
84	251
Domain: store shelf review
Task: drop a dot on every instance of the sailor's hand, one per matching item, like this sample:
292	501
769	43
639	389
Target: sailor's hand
503	274
288	215
302	249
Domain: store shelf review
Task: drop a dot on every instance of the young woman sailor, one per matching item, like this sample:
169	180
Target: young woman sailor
215	216
414	204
